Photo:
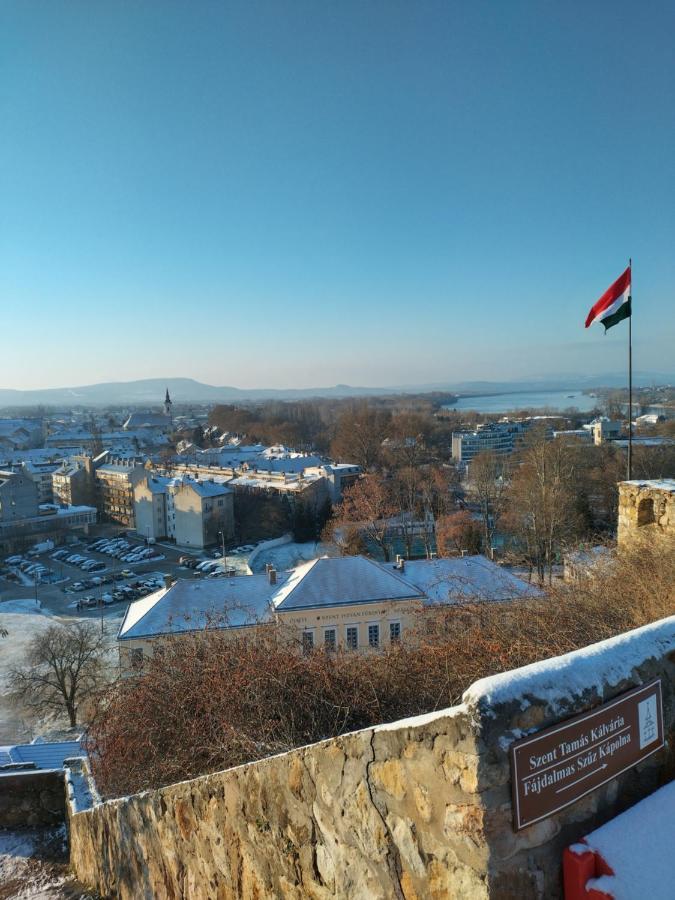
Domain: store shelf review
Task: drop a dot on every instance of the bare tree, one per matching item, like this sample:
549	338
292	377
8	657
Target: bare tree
368	505
359	434
458	532
488	479
542	502
63	667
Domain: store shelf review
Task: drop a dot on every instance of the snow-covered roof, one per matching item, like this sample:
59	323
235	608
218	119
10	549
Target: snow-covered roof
116	469
194	605
208	488
147	420
48	755
293	483
461	578
340	581
288	462
318	584
157	484
655	484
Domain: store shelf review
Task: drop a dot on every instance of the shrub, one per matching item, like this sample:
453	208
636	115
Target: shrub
210	701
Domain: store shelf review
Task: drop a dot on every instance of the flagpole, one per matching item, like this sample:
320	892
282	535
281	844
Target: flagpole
630	376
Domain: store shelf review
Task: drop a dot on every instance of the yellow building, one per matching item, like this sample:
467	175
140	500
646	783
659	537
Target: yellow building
351	603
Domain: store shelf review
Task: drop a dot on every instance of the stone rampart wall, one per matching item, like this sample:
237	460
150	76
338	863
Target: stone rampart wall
420	808
646	514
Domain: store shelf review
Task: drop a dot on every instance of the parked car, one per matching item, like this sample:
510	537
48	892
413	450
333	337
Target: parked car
108	599
127	573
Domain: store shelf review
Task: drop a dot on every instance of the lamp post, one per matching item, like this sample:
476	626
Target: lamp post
222	536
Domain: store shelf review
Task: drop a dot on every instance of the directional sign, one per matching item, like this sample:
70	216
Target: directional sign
561	764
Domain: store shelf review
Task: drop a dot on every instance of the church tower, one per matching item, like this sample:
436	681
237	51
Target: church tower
167	404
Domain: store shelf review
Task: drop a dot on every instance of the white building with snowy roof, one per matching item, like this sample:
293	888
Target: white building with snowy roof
350	602
192	512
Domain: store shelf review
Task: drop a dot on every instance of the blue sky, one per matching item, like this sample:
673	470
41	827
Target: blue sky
303	193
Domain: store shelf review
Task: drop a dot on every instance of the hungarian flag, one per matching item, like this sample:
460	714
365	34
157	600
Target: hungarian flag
614	305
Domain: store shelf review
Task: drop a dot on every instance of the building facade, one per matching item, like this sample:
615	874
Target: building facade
191	512
74	482
19	498
115	484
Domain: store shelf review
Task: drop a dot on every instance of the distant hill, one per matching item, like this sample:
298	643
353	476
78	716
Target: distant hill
150	391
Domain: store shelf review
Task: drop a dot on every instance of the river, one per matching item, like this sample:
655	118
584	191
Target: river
503	403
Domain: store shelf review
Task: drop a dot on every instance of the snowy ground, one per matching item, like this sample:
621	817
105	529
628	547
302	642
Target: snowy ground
23	620
286	556
33	864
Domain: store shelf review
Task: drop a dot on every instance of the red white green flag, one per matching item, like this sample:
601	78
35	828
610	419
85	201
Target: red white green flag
615	304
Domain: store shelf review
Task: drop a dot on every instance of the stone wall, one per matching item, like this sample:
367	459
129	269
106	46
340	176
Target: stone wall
419	808
31	798
646	513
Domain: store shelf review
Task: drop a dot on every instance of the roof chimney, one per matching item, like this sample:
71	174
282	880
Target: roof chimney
272	575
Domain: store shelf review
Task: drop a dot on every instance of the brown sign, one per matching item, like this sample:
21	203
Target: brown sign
561	764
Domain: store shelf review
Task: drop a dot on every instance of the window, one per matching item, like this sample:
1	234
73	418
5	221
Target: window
394	632
373	635
136	658
330	639
646	512
307	641
220	503
352	635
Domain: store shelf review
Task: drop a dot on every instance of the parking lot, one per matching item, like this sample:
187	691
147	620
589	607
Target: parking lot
101	576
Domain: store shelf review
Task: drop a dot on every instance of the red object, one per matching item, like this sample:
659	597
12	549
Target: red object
578	869
611	294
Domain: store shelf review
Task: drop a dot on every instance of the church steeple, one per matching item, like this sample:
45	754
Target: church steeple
167	404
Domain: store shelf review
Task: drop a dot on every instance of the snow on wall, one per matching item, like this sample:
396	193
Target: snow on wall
558	681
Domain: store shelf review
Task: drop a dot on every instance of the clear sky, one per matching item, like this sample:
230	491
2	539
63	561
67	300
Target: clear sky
291	193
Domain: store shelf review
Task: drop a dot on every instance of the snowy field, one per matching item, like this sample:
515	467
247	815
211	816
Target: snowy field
33	864
23	620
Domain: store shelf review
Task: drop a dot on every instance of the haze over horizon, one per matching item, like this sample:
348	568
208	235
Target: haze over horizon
289	195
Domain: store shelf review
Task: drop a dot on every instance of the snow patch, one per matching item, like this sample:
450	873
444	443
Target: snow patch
27	605
425	719
638	847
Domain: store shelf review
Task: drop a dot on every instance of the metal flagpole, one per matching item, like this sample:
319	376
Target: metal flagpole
630	375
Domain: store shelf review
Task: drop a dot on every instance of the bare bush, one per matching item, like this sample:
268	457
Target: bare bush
210	701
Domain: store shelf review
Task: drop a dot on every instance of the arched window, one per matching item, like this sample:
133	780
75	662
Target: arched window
645	512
